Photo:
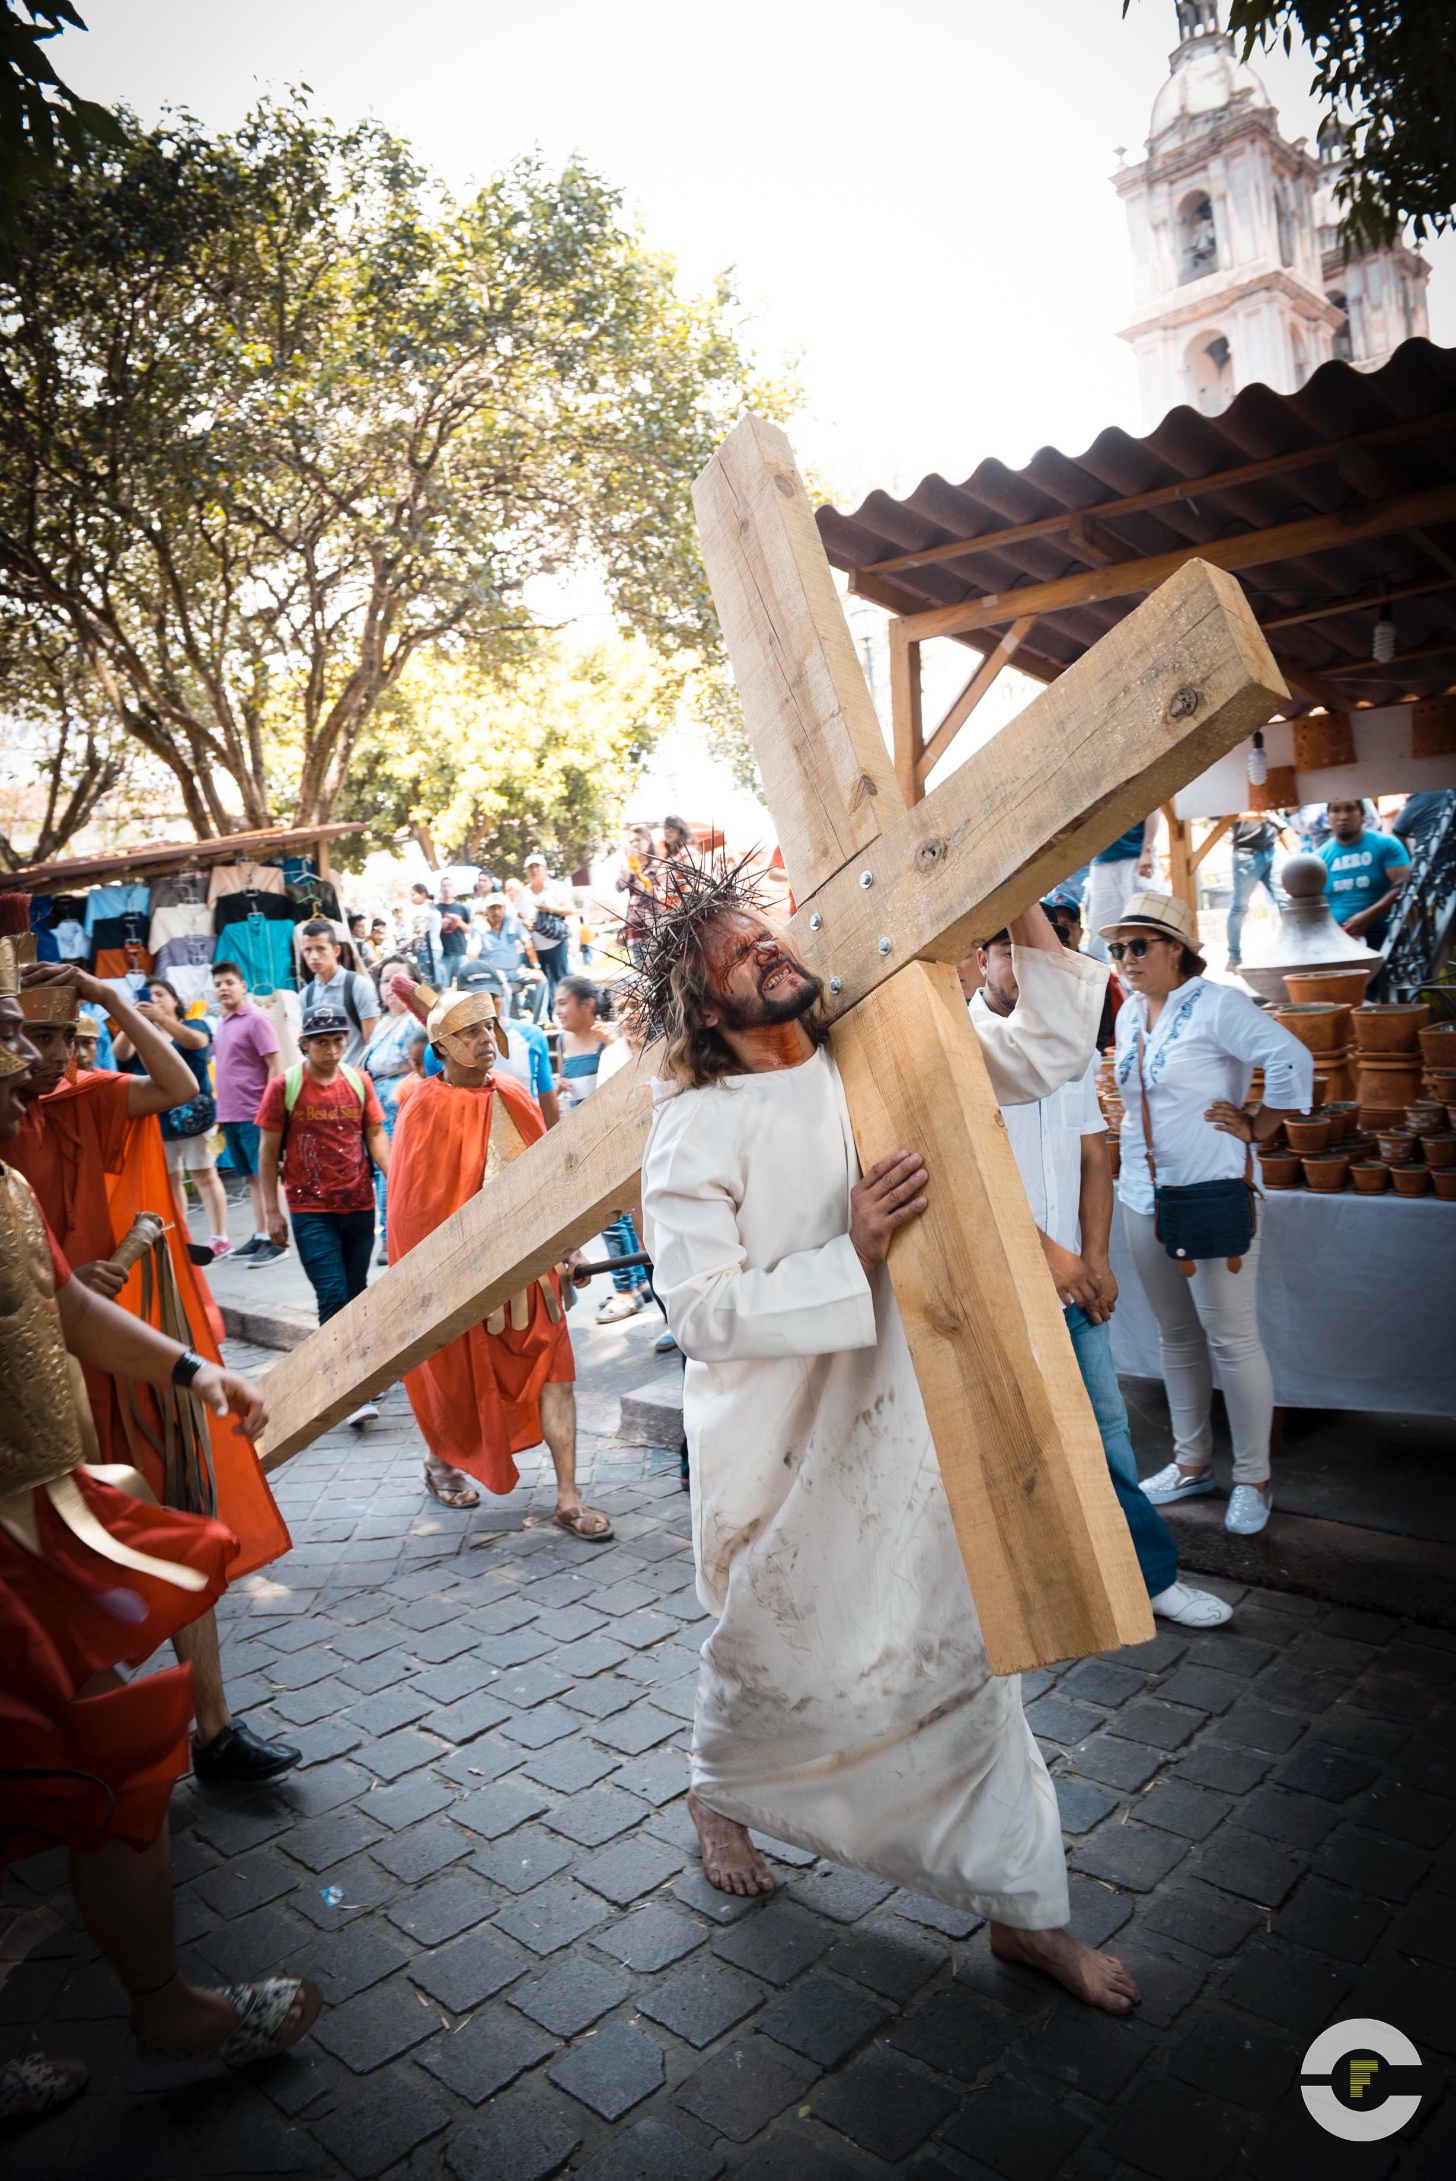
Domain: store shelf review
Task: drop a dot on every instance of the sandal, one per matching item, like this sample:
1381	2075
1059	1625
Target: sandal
37	2085
574	1525
451	1490
262	2012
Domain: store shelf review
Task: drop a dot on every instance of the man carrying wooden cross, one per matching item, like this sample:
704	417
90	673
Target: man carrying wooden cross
845	1701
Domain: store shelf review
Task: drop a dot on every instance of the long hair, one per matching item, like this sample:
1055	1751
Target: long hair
667	998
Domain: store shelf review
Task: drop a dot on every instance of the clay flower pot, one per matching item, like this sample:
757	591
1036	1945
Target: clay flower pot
1342	1118
1410	1181
1440	1150
1425	1120
1371	1179
1397	1146
1438	1045
1443	1181
1340	987
1279	1169
1326	1171
1373	1118
1321	1027
1443	1084
1451	1114
1392	1028
1114	1153
1392	1079
1307	1132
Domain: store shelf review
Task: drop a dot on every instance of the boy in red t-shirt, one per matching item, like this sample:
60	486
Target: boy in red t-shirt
322	1123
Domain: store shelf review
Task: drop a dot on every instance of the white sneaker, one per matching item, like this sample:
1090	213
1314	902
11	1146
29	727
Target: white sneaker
366	1413
1173	1483
1194	1608
625	1305
1248	1510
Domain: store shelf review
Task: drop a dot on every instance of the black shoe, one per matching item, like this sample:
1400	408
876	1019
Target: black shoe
200	1253
250	1247
237	1756
266	1253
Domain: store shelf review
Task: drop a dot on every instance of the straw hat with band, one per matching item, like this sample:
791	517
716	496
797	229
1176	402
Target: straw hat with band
1164	914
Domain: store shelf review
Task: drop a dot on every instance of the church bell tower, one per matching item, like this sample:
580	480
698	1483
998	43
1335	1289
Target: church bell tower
1237	272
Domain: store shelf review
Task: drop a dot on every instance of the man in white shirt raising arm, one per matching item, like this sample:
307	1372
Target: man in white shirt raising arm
1060	1145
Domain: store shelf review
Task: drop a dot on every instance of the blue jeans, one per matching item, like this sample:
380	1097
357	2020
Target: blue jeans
334	1249
1152	1540
621	1240
1253	868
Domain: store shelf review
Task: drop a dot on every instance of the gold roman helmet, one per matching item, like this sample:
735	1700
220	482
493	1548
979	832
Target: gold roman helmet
10	1063
53	1005
456	1010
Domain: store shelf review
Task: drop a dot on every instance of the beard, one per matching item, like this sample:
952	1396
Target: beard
796	993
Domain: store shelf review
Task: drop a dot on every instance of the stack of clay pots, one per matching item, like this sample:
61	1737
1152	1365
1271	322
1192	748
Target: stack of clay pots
1419	1154
1389	1060
1324	1026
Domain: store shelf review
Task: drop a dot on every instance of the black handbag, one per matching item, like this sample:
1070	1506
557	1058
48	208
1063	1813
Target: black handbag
196	1118
1200	1219
550	927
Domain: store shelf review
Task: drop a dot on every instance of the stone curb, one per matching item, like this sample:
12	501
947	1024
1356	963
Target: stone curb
1339	1561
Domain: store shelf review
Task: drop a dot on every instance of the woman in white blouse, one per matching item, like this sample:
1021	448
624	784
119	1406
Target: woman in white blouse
1192	1047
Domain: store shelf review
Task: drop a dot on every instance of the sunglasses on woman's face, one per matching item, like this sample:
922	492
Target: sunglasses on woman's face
1137	948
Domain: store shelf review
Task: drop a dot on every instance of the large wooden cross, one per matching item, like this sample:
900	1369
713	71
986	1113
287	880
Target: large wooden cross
889	898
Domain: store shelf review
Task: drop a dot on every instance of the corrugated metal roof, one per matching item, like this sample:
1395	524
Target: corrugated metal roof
1339	402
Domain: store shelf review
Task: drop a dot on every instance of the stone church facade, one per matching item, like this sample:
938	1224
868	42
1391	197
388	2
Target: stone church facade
1239	273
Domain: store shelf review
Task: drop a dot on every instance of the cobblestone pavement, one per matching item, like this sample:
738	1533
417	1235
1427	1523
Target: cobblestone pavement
486	1861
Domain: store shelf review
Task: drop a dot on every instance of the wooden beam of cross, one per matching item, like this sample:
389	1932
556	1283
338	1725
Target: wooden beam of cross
888	898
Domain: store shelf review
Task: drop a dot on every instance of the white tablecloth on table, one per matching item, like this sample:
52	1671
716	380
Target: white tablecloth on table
1357	1303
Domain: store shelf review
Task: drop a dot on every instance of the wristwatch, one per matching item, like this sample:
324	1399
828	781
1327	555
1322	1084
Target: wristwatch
187	1366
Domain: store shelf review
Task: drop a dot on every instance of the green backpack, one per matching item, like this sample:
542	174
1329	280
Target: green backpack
293	1084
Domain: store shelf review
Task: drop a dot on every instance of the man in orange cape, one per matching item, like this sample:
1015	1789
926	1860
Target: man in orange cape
93	1575
510	1382
91	1149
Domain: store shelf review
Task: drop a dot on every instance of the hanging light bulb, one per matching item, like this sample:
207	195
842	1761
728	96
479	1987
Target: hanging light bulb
1258	762
1383	647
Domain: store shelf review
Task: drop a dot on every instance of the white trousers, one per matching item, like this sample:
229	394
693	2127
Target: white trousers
1213	1316
1109	888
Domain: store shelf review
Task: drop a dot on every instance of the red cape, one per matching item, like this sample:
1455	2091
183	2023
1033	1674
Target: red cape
93	1170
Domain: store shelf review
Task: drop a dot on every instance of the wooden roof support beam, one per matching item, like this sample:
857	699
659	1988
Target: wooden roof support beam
1210	840
1383	595
1313	687
907	724
986	673
1251	549
1391	666
1137	503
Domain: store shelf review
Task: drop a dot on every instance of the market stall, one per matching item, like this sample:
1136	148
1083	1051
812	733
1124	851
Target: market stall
1358	1219
1354	1304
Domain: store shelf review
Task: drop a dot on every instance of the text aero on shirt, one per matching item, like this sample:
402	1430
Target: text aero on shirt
326	1162
1359	871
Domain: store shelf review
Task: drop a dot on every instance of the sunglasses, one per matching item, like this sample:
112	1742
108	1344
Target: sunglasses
1137	948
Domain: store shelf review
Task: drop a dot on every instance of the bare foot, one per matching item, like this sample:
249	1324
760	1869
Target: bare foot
730	1860
1098	1979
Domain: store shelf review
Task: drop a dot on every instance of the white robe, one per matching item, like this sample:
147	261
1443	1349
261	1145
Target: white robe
845	1702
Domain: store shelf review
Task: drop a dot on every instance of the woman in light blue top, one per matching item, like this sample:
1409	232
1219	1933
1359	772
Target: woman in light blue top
1191	1047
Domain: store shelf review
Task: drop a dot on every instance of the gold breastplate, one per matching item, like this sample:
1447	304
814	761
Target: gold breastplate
42	1436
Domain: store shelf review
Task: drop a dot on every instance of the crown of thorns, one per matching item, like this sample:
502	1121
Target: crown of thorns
693	893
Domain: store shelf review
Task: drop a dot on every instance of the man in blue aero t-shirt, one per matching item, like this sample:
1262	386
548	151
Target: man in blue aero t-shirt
1366	872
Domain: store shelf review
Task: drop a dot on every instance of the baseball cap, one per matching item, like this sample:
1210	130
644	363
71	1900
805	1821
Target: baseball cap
1062	897
325	1022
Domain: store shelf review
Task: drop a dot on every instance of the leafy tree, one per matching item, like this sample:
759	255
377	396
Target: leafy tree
278	415
44	126
1387	71
484	769
64	757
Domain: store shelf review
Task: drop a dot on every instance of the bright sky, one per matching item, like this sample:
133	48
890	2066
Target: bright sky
914	197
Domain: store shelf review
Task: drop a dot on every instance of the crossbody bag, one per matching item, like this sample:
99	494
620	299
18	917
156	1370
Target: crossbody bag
1199	1219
